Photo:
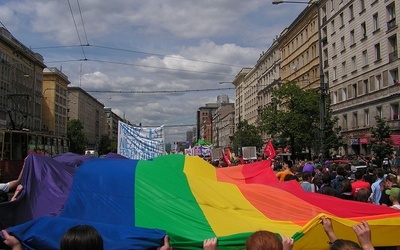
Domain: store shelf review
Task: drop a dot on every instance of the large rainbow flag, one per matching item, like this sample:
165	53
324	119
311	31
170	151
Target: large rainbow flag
191	200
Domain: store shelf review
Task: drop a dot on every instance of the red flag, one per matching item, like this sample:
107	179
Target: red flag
269	150
226	158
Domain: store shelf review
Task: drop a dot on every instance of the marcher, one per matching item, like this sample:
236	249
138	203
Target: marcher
268	240
362	231
340	176
390	182
375	187
359	183
394	197
287	170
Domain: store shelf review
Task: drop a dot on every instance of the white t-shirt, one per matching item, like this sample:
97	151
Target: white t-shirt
5	186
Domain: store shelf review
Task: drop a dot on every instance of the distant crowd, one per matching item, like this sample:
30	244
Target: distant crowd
365	183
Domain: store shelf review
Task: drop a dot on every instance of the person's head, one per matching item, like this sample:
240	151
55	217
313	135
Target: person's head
359	174
390	180
290	177
340	244
81	237
288	164
380	173
340	171
393	193
345	186
306	176
261	240
363	194
326	179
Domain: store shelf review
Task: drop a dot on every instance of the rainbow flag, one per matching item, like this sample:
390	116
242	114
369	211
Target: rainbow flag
191	200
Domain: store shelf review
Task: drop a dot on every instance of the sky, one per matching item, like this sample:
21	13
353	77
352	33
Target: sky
154	62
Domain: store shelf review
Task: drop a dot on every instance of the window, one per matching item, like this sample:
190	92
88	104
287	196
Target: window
365	57
375	22
394	109
332	5
352	38
379	111
333	26
363	30
353	63
391	16
344	70
344	94
365	87
344	122
378	82
351	12
377	48
392	48
354	89
341	18
334	97
334	73
342	44
394	75
366	117
362	5
355	120
334	49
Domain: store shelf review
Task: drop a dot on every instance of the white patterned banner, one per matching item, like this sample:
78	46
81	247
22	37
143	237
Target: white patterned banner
140	143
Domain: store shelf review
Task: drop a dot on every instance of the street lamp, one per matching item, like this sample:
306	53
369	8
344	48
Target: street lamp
323	86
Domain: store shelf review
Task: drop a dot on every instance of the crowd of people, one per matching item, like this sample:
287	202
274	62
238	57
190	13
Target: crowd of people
368	184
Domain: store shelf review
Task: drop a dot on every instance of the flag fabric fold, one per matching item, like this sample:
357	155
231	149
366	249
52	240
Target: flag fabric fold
190	200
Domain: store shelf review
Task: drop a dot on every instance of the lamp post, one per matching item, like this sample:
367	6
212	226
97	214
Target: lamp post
323	86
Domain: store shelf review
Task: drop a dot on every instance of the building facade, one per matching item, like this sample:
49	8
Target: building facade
360	48
84	107
54	113
223	125
112	125
21	84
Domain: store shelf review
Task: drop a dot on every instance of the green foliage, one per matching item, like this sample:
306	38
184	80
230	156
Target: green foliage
77	137
104	145
247	135
332	139
293	116
380	141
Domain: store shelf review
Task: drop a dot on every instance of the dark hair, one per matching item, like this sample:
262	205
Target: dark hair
345	186
326	178
379	173
359	174
290	177
81	237
305	176
341	171
327	190
290	163
340	244
363	194
261	240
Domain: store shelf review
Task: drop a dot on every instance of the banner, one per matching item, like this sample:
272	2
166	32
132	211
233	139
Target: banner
140	143
202	151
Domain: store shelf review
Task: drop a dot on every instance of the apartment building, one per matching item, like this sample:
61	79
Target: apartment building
84	107
112	125
54	113
223	125
360	54
21	84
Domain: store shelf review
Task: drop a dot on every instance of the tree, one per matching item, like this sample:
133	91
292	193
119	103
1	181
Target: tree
332	138
77	137
104	145
247	135
380	142
293	116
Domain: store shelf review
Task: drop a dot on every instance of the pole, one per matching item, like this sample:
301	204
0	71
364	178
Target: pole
323	87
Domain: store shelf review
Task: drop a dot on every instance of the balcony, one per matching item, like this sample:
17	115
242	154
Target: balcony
391	24
393	56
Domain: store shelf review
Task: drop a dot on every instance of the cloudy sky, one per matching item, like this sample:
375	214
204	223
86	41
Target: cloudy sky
150	46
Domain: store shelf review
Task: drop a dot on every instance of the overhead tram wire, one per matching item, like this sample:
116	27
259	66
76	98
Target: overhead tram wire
143	66
83	23
76	28
156	91
137	52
